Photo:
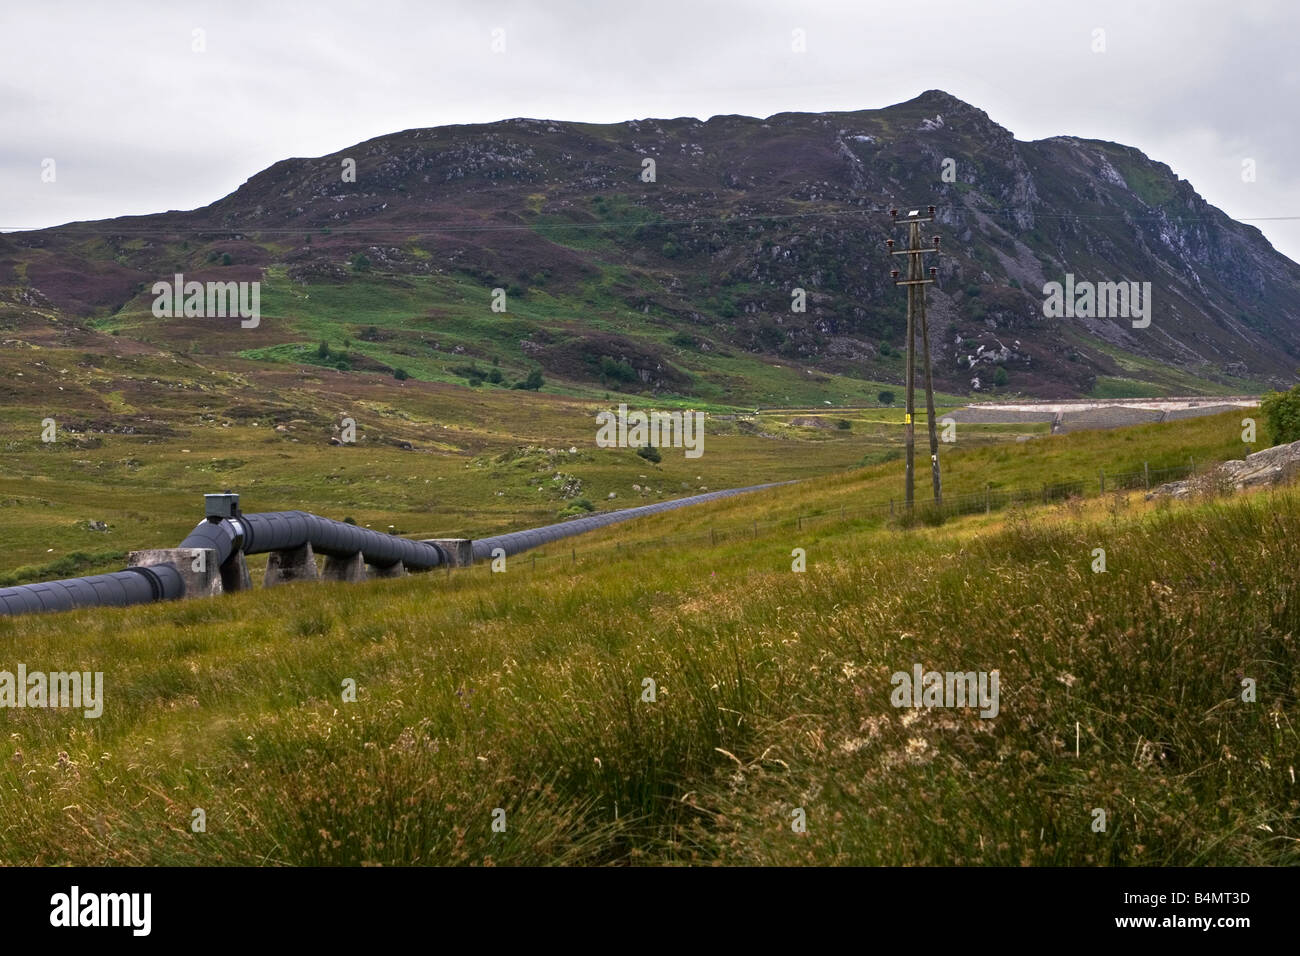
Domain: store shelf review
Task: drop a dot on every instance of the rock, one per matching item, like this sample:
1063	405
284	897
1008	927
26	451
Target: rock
96	526
1267	467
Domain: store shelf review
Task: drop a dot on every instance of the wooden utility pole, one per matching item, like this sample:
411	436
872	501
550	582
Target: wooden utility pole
916	316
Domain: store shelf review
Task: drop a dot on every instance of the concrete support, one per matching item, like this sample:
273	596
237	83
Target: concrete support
397	570
234	573
294	564
197	567
459	551
352	568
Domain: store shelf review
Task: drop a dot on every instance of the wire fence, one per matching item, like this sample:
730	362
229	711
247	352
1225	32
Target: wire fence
925	511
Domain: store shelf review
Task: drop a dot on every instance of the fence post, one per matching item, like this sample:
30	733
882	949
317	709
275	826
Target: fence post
988	497
573	553
1102	472
1146	476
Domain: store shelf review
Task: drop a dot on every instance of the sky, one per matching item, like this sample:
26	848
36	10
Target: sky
140	113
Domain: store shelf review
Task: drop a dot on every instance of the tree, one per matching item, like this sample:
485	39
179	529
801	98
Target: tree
360	263
1282	414
324	350
886	397
1000	376
225	259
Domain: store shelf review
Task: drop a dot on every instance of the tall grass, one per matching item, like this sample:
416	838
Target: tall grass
523	693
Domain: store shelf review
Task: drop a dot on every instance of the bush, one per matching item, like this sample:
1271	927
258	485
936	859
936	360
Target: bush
225	259
1282	414
844	425
650	453
400	374
360	263
324	350
1000	376
616	369
886	397
578	506
533	382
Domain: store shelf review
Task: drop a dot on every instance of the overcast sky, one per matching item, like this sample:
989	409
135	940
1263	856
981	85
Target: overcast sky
137	121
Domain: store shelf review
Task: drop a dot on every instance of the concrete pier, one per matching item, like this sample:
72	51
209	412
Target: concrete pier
352	568
294	564
459	551
197	567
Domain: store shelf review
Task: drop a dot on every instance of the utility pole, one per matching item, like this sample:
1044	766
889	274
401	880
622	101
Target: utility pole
916	316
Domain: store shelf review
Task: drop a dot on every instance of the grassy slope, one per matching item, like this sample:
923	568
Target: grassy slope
521	691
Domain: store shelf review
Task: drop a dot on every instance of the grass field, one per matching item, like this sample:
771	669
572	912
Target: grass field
523	692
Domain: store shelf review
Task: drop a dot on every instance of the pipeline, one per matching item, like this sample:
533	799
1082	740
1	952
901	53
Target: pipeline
517	541
282	530
252	534
229	532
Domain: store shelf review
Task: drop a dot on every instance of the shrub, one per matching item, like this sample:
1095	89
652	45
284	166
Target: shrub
400	374
360	263
886	397
225	259
1282	414
1000	376
324	350
532	383
578	506
650	453
616	369
844	425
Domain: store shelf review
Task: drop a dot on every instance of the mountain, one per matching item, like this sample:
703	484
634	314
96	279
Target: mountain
683	286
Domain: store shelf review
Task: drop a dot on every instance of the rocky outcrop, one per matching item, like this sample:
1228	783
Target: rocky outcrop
1268	467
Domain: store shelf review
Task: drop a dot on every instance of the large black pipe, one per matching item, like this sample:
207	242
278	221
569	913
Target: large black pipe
282	530
517	541
132	586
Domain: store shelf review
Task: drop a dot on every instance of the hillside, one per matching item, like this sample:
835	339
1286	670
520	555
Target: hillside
524	692
681	287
